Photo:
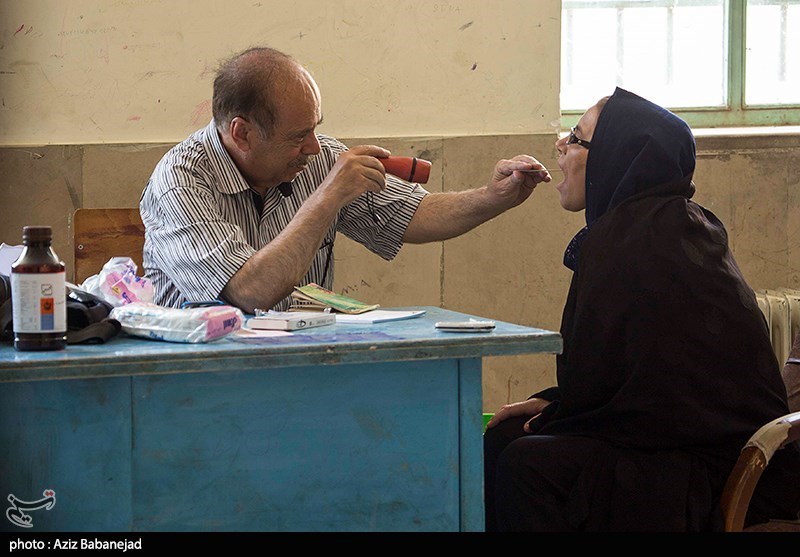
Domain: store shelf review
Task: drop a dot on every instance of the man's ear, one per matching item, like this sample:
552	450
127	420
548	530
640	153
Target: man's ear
241	132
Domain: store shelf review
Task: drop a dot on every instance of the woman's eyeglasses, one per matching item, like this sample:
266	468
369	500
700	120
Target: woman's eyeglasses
575	139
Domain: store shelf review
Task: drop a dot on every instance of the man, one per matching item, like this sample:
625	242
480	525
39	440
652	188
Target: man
248	207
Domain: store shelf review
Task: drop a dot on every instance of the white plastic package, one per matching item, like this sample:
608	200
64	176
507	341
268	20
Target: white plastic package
118	284
193	325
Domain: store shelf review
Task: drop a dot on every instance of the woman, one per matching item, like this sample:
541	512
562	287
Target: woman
667	366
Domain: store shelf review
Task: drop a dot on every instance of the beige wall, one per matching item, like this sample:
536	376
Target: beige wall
81	125
138	71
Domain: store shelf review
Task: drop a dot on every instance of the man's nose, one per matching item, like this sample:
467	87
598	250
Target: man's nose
311	145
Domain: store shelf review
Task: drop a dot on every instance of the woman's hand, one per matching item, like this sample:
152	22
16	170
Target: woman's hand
531	407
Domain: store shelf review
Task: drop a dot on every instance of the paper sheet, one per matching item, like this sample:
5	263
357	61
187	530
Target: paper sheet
376	316
8	254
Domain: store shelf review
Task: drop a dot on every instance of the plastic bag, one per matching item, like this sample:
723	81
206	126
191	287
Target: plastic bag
178	325
118	284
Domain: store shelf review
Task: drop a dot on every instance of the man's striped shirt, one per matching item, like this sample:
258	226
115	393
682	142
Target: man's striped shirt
202	224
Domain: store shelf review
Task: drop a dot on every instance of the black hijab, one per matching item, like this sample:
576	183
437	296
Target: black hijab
666	355
636	146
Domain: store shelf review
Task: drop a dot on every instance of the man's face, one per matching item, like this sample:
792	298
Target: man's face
282	155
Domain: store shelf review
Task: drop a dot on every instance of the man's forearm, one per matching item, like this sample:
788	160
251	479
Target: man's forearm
269	276
441	216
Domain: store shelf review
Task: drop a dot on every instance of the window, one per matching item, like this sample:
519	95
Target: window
714	62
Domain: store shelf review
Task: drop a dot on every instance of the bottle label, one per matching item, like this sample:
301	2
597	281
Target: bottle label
39	302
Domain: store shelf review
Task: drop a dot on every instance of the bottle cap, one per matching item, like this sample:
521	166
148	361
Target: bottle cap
37	234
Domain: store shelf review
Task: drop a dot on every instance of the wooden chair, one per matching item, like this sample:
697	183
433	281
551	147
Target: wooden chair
753	459
757	453
100	234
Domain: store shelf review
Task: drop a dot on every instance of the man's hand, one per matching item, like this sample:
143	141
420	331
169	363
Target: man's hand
355	172
449	214
514	180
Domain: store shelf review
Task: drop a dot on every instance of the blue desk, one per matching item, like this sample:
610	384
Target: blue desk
339	428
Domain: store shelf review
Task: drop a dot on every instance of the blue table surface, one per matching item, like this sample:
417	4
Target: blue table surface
407	339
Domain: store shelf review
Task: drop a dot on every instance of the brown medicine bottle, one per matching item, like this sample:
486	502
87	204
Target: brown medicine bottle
38	293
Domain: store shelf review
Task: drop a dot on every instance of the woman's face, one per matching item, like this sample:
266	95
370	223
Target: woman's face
572	161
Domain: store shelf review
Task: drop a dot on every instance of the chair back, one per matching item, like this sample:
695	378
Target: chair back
747	471
757	453
103	233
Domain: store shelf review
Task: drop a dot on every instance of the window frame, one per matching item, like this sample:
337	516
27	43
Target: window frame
736	113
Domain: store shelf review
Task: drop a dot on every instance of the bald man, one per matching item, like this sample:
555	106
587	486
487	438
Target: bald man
249	206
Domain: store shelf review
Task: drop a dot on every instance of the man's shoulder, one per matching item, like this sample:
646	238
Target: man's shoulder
181	164
189	153
192	145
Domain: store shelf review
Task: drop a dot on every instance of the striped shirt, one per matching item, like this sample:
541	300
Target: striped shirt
201	224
